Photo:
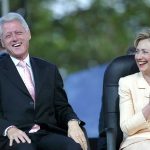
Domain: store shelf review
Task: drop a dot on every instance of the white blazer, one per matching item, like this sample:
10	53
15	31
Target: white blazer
134	93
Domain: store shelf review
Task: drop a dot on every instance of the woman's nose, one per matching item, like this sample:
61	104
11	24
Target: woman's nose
139	55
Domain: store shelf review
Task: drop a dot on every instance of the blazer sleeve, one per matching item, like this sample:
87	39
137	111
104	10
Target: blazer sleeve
130	121
64	111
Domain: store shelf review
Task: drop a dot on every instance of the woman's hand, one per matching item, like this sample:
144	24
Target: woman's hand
146	112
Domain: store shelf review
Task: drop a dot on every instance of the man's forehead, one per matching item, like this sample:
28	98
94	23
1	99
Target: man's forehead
12	27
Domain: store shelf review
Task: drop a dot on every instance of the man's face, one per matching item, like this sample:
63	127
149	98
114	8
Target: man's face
15	39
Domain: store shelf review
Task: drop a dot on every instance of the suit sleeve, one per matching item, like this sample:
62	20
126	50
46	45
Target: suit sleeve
64	111
4	123
130	120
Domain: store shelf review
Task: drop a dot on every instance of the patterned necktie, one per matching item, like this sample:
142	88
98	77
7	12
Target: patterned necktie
27	79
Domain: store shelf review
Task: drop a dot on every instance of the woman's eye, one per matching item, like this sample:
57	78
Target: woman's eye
145	52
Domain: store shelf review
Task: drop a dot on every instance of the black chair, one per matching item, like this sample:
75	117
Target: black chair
109	118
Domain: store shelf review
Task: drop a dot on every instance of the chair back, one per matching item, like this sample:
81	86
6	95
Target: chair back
119	67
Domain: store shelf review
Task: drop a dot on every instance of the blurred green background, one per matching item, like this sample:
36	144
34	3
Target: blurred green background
86	35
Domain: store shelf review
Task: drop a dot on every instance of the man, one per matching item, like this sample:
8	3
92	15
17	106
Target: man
2	51
33	104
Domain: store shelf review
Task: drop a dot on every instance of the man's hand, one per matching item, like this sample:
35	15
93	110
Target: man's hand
16	134
76	133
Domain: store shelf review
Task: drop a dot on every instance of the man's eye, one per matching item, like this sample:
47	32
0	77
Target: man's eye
19	33
7	36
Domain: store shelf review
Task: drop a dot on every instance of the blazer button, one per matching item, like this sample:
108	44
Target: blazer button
31	103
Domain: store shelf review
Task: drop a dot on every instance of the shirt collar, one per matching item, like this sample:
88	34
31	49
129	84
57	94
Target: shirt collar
16	61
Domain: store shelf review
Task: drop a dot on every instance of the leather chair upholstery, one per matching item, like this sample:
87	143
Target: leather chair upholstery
109	117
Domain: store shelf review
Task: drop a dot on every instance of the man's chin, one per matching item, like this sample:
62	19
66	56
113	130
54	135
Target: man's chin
16	55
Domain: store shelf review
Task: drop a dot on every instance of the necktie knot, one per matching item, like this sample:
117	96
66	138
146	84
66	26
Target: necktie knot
22	64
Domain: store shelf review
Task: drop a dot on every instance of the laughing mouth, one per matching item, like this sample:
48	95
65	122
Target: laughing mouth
142	63
16	45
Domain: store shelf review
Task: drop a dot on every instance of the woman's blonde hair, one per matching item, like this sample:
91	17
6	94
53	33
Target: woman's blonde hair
142	35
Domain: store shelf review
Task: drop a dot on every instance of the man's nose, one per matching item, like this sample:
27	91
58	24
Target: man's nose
14	37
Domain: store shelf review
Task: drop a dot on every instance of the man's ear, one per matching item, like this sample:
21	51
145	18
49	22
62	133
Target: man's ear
1	43
29	34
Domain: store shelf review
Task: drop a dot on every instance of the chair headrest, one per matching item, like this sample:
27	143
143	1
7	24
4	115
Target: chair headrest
120	67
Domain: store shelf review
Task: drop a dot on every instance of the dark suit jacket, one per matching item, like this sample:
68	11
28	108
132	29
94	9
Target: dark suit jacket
16	105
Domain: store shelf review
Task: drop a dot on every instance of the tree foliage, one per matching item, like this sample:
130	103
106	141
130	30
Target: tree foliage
84	38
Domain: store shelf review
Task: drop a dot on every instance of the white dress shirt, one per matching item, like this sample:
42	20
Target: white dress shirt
20	69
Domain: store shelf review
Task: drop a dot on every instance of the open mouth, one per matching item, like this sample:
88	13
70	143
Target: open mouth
142	63
16	45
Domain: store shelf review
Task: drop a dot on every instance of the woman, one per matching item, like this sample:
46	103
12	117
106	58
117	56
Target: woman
134	92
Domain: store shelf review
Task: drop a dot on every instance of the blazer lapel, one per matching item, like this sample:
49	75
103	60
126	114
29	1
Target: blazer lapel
12	74
142	84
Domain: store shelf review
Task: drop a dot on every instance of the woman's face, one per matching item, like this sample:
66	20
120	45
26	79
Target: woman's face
142	56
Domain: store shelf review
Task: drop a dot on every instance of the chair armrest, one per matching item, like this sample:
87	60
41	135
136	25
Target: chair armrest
111	139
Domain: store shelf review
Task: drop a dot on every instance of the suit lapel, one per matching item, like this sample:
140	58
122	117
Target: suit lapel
12	74
142	84
37	75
